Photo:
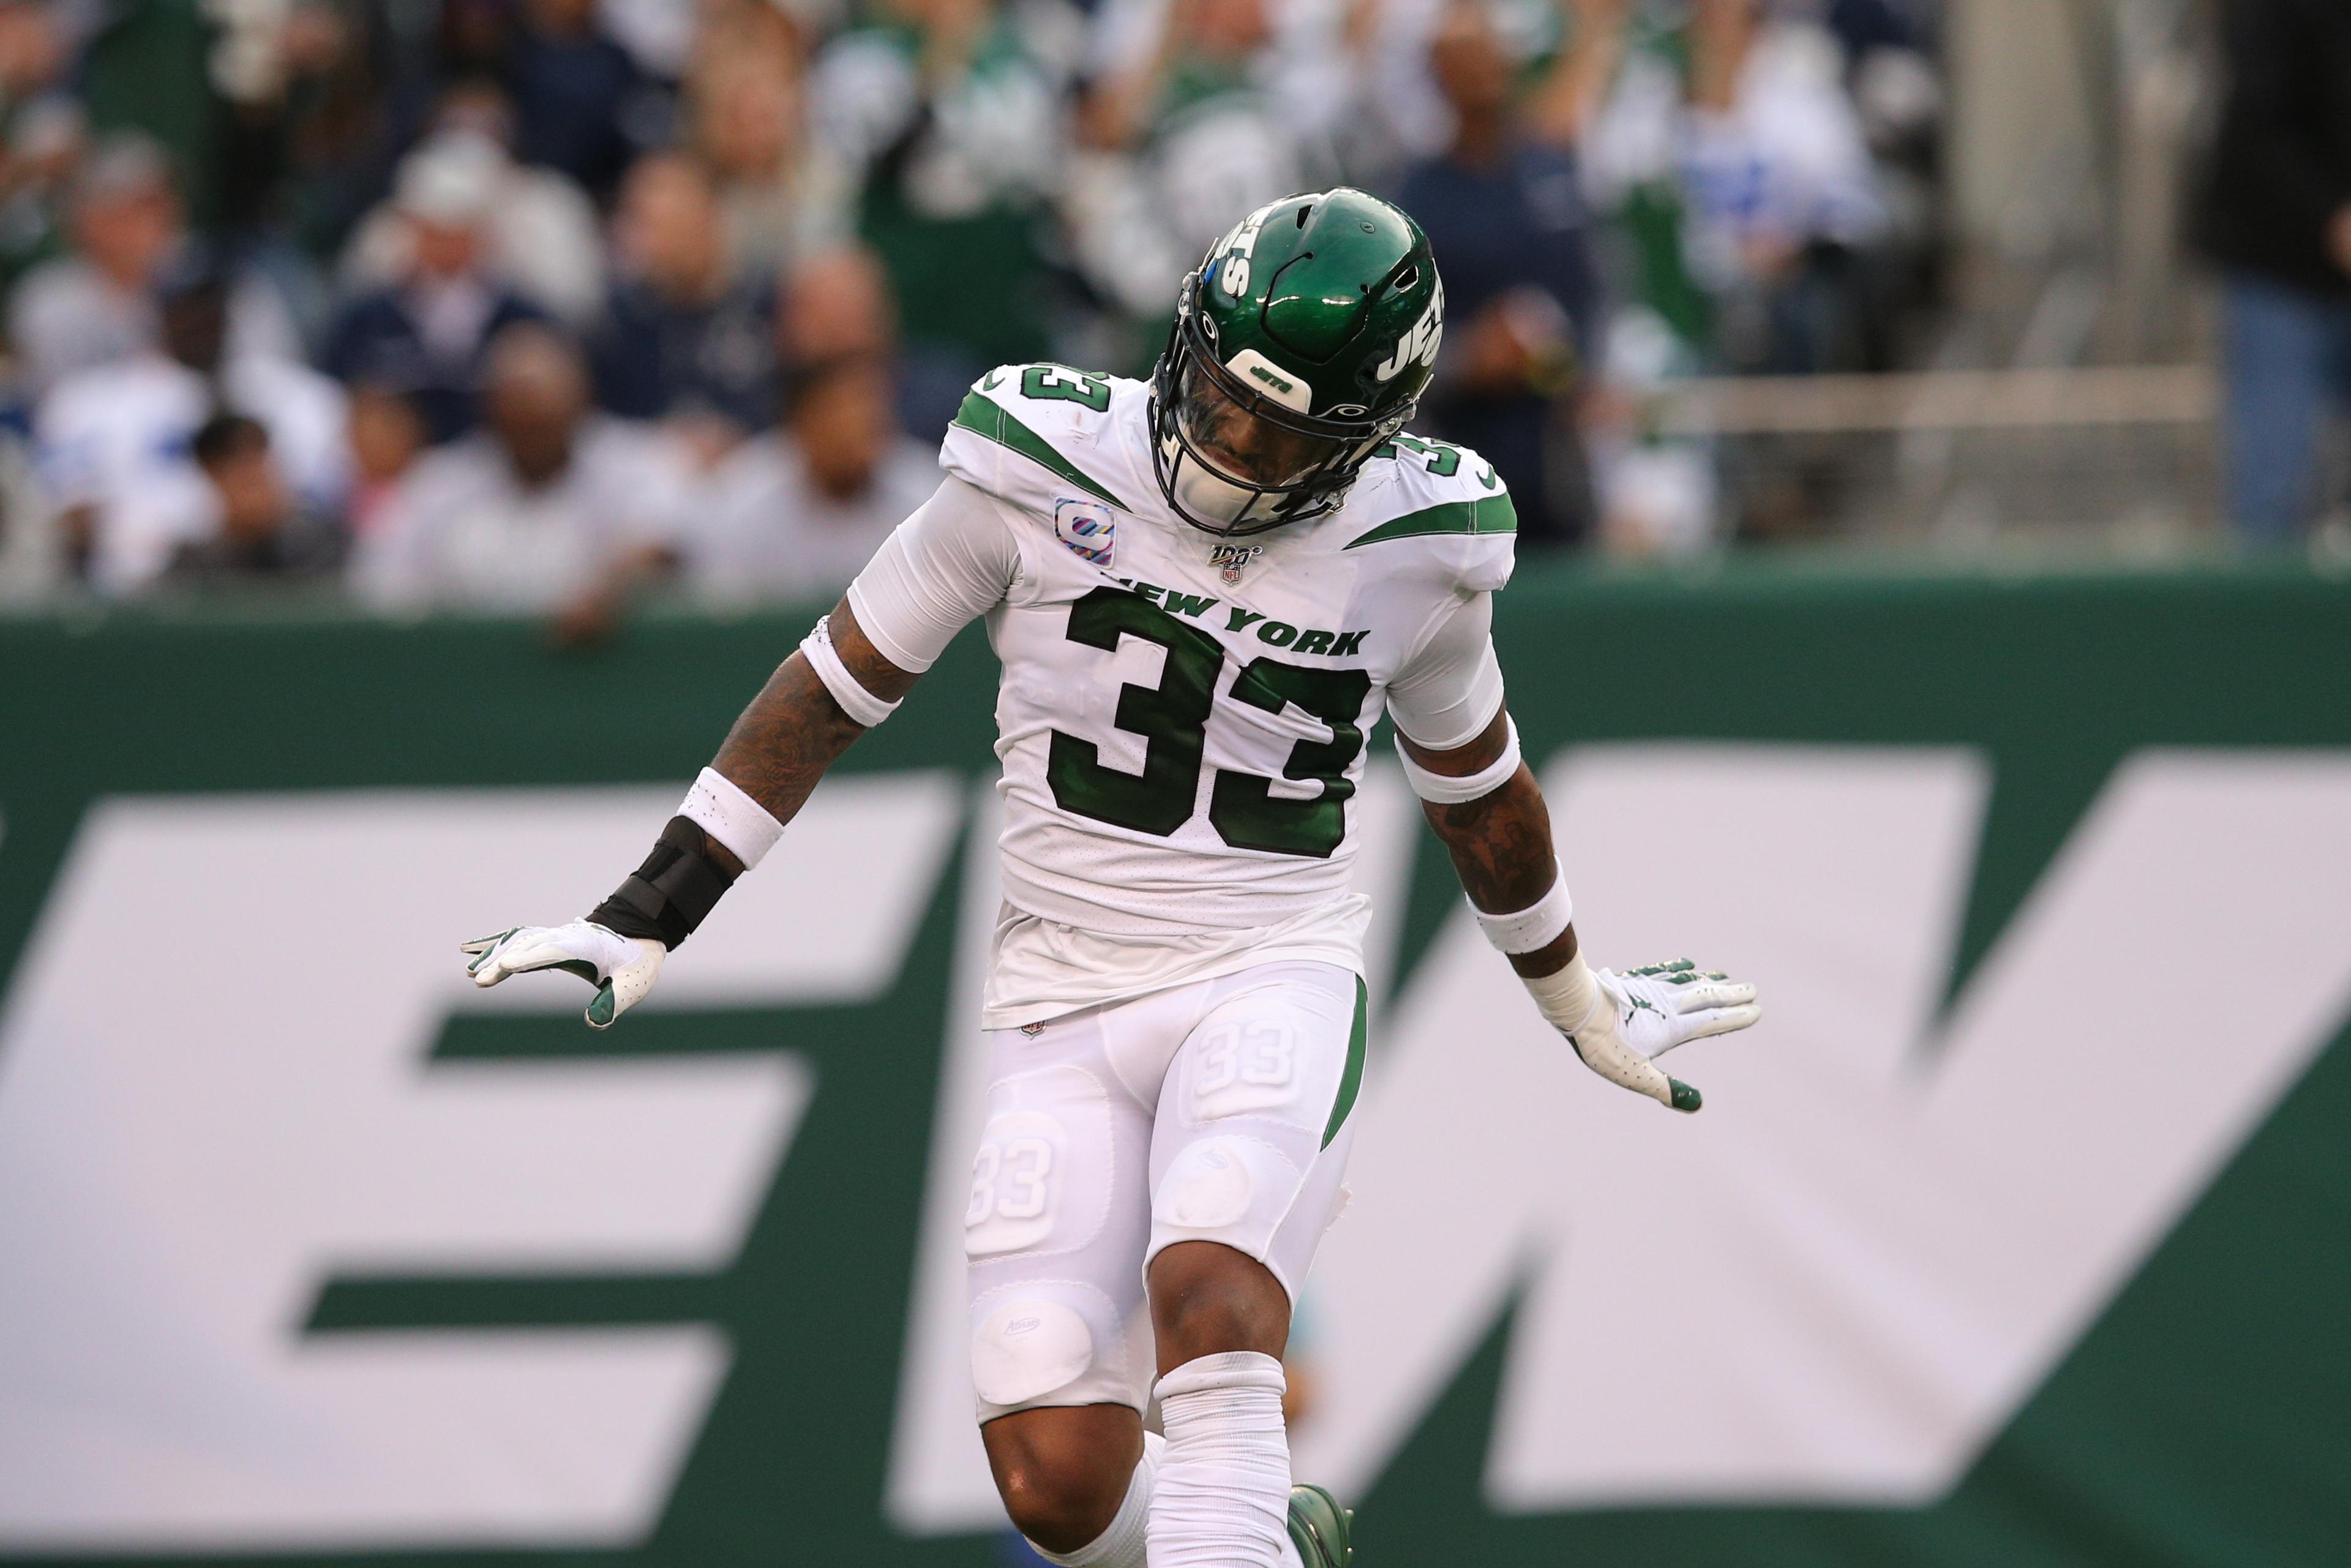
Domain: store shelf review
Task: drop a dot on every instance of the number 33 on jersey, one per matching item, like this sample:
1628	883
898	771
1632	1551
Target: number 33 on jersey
1183	718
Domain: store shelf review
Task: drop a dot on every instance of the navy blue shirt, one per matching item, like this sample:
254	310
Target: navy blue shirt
654	358
1521	224
376	342
574	100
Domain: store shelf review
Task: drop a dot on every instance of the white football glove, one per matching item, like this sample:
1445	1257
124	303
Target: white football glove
622	968
1631	1018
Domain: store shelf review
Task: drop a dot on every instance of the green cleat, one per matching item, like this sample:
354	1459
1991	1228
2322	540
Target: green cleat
1319	1527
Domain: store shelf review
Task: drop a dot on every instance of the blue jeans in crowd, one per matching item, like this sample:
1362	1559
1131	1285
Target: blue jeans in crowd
2288	356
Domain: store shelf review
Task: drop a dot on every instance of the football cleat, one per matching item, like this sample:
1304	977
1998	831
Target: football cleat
1319	1528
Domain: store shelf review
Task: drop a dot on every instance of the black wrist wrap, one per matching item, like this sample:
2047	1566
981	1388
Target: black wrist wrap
671	893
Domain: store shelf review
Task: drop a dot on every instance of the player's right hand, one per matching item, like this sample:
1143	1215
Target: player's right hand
622	968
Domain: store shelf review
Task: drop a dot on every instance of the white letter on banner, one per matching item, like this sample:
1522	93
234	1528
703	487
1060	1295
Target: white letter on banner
1840	1281
213	1097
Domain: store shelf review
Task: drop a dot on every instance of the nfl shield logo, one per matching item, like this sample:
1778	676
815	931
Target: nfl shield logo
1088	527
1232	558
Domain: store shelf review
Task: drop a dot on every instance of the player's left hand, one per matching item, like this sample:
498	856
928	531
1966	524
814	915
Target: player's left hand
622	968
1644	1013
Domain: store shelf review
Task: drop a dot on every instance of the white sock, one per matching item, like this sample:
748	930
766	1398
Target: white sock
1223	1495
1122	1545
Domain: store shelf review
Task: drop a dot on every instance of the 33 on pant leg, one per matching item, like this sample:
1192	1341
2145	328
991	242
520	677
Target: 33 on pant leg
1054	1229
1254	1120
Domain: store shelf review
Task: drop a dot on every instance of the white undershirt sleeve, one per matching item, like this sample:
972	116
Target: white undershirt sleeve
1450	690
951	561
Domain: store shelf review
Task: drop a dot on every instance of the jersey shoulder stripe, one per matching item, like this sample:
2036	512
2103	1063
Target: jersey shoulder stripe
1430	507
1057	401
1479	514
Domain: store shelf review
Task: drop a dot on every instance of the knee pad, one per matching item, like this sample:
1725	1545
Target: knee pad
1051	1342
1232	1189
1027	1347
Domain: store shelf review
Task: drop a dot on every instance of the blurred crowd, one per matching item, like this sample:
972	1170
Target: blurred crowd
538	305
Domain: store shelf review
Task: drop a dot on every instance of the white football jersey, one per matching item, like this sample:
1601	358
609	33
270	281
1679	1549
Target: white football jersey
1182	719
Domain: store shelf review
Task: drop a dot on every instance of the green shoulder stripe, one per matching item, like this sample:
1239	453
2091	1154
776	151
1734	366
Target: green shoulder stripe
1487	515
988	418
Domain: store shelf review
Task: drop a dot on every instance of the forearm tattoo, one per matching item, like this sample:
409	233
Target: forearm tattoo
782	744
794	730
1501	849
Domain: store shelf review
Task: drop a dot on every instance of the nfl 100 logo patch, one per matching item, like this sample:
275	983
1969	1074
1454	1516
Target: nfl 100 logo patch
1230	559
1088	527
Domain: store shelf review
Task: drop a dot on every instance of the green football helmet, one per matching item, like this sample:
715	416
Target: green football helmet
1302	341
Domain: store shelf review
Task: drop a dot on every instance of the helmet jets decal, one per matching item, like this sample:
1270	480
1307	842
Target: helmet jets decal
1301	344
1237	247
1419	345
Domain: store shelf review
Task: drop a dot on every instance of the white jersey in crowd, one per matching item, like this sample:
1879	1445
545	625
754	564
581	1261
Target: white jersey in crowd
115	438
1182	717
763	530
465	531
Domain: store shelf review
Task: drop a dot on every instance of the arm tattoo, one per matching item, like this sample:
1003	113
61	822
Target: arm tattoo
793	730
1501	849
1501	843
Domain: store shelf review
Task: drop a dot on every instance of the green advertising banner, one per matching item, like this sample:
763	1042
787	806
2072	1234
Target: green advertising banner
2017	1233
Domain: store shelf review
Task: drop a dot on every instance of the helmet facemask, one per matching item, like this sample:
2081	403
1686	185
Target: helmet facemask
1231	457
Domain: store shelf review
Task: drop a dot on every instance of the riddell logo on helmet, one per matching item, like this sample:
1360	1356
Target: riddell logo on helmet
1420	344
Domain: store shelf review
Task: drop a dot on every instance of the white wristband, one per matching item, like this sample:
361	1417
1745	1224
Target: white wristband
1571	1002
1534	927
1443	791
1566	998
859	703
724	811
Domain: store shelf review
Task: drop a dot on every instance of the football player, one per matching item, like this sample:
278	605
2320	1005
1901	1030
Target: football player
1203	591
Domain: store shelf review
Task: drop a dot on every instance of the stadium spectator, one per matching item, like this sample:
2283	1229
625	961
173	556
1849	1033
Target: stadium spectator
1504	209
748	128
837	306
551	507
96	303
2277	216
1199	109
581	105
386	438
424	337
945	185
660	35
42	126
794	514
948	119
264	534
686	338
539	230
1779	190
146	69
1729	157
114	439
